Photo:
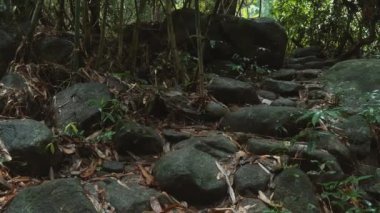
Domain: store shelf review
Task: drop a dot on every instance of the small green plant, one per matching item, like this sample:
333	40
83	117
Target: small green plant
51	147
105	136
72	130
346	195
111	111
320	117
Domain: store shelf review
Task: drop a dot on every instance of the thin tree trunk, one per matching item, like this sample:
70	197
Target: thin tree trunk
121	31
77	36
178	68
102	33
86	26
200	72
60	16
260	7
135	40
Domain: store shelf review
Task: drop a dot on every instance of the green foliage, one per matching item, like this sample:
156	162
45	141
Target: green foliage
371	111
111	111
71	129
346	195
321	116
51	147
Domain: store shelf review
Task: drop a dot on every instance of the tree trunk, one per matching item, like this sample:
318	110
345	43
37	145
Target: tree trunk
178	68
200	72
102	33
60	16
94	7
121	31
77	36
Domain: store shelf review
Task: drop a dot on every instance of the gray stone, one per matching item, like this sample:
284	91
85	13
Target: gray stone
216	110
359	135
295	191
252	205
80	104
265	120
307	51
267	94
190	175
138	139
353	81
284	102
284	74
303	60
288	88
231	91
54	49
174	136
249	179
13	80
216	145
26	141
113	166
127	197
63	195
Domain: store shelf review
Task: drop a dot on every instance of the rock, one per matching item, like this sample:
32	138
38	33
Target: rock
282	87
62	195
4	185
353	81
80	104
265	120
126	197
7	50
295	191
359	135
174	136
217	145
308	74
252	205
284	102
54	49
113	166
303	60
308	51
249	179
263	146
331	143
138	139
224	68
231	91
190	175
262	38
13	80
292	74
26	141
267	94
318	64
216	110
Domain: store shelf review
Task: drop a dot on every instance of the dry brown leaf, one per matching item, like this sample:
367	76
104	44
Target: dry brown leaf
68	148
149	179
89	170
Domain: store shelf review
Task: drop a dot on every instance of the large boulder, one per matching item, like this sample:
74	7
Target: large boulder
265	120
63	195
26	140
190	175
353	81
262	39
54	49
80	104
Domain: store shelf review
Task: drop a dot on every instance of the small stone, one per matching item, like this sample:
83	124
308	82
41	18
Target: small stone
113	166
174	136
250	179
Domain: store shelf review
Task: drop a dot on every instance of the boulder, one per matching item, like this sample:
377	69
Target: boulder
284	102
231	91
174	136
355	83
80	104
138	139
26	141
252	205
190	175
250	179
308	51
54	49
217	145
295	191
262	39
265	120
125	197
215	110
13	80
62	195
287	88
